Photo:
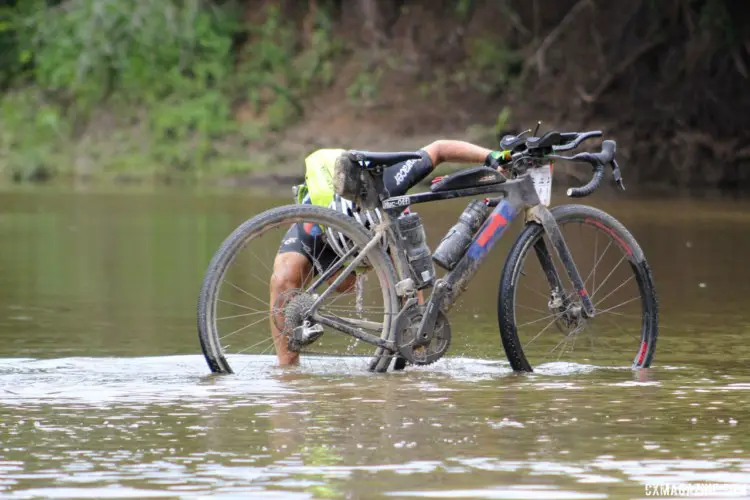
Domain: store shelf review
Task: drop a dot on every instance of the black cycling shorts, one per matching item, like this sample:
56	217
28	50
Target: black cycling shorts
398	179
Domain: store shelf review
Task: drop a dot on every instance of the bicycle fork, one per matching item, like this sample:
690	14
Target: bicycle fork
541	214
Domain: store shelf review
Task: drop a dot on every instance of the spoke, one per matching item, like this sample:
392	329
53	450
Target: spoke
311	271
331	271
538	334
246	292
596	264
618	305
243	328
268	339
555	315
237	305
264	282
601	339
266	350
613	291
617	325
545	297
242	315
532	309
639	316
605	279
348	269
262	263
564	340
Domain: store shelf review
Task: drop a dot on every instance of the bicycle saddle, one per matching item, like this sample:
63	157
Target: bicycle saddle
375	159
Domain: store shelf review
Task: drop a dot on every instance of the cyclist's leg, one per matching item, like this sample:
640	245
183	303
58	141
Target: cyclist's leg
301	257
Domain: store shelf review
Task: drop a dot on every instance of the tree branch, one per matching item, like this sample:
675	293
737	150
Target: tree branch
619	70
537	59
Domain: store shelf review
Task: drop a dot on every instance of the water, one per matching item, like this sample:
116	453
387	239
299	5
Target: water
104	393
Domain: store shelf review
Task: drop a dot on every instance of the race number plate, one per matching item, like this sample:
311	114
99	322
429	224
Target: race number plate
542	179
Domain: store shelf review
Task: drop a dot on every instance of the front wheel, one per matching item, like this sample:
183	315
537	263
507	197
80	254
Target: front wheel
543	323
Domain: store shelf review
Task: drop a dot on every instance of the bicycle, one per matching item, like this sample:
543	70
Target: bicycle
417	331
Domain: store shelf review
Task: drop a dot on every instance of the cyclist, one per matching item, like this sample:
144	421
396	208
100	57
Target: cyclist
300	250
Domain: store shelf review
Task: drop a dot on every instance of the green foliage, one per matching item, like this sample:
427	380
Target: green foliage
493	64
502	121
165	68
365	86
32	136
463	7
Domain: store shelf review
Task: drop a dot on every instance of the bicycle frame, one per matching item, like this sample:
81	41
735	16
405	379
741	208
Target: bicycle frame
512	197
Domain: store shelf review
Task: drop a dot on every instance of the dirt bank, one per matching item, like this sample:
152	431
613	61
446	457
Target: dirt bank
668	80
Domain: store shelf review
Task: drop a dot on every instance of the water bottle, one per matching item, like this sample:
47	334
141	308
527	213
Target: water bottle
456	241
414	241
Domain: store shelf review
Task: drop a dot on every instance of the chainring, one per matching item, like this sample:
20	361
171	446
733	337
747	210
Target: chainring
407	328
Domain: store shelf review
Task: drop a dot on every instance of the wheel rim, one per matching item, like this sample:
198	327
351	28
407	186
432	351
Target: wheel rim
553	328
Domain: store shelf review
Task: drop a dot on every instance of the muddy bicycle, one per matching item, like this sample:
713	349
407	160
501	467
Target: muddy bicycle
396	319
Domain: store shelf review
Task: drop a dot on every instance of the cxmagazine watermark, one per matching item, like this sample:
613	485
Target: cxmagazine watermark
697	490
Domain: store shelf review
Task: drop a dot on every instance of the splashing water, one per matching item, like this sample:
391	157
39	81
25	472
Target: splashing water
360	292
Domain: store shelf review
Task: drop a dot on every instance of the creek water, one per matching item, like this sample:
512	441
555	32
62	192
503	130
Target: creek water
104	392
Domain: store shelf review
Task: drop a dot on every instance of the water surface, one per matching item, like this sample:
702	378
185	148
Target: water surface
104	393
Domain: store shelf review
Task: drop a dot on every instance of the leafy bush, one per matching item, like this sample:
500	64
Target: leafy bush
164	68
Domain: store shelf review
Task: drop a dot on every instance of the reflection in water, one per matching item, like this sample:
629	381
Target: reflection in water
103	392
471	427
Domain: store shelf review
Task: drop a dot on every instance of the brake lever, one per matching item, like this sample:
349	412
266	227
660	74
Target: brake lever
617	174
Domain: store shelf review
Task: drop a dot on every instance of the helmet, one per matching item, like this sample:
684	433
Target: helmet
368	218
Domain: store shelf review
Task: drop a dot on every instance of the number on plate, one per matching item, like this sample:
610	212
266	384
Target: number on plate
542	179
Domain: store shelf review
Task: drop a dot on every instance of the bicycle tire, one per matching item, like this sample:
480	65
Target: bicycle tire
622	237
256	226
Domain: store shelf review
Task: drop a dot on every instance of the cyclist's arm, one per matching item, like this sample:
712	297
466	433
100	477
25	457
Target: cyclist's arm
445	150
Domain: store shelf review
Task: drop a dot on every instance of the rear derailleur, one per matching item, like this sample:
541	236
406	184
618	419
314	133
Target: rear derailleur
292	306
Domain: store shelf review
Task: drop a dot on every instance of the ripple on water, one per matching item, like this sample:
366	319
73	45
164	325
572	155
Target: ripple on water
162	426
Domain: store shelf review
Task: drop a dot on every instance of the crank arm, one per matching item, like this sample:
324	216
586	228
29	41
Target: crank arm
427	325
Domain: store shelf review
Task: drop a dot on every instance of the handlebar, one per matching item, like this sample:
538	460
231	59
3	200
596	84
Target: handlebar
556	142
576	139
598	161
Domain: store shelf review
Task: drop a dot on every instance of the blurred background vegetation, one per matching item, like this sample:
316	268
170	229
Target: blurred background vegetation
235	91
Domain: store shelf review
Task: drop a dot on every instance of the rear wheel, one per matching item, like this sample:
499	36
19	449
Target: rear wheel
540	325
236	314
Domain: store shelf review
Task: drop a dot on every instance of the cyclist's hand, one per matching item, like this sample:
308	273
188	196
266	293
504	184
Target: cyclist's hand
496	159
